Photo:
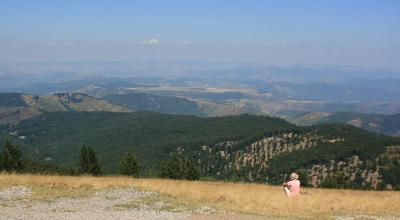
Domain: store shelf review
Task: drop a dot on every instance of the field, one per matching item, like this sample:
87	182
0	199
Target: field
244	199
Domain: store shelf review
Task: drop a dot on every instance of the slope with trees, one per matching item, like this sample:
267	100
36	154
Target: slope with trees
59	135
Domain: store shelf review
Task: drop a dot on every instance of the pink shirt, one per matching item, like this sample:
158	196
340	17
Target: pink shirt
294	187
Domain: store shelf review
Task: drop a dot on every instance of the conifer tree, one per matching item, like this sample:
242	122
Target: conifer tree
179	167
192	171
94	165
83	161
129	165
88	162
329	182
1	162
12	158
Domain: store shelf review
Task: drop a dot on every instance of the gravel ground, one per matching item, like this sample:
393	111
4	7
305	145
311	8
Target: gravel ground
14	193
104	204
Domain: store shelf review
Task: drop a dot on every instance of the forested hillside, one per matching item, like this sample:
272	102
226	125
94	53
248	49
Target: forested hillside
325	155
238	148
152	136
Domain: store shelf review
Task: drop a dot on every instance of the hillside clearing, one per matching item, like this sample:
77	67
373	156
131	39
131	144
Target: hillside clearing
186	198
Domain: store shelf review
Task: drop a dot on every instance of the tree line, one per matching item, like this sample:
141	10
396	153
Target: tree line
177	166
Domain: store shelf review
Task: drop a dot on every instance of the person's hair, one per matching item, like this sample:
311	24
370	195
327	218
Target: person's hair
294	176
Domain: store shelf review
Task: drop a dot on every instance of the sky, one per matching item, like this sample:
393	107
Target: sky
363	33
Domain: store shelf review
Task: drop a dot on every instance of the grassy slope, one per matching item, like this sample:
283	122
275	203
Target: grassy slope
151	136
259	199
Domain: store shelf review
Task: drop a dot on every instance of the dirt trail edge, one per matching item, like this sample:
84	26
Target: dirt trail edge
120	203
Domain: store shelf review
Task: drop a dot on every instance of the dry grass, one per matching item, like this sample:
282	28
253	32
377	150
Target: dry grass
244	198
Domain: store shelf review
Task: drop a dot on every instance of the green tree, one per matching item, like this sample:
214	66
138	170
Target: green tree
381	185
392	175
191	170
173	168
340	179
303	177
12	158
1	162
180	167
129	165
94	165
83	161
329	182
88	162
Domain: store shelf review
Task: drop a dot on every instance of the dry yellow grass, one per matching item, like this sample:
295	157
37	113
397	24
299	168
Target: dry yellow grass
243	198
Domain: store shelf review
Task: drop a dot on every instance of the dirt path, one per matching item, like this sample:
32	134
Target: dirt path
123	203
15	203
229	217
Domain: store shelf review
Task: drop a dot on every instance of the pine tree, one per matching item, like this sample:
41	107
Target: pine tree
1	163
173	168
12	158
329	182
94	165
129	165
192	171
88	162
83	161
179	167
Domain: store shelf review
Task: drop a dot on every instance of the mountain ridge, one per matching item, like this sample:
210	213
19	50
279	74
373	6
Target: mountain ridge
385	124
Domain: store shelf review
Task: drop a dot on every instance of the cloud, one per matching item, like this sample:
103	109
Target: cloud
153	41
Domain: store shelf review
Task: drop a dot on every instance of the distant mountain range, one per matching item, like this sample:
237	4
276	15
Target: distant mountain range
15	107
176	105
282	89
385	124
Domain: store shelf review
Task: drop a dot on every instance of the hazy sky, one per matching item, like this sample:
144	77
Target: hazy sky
361	33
